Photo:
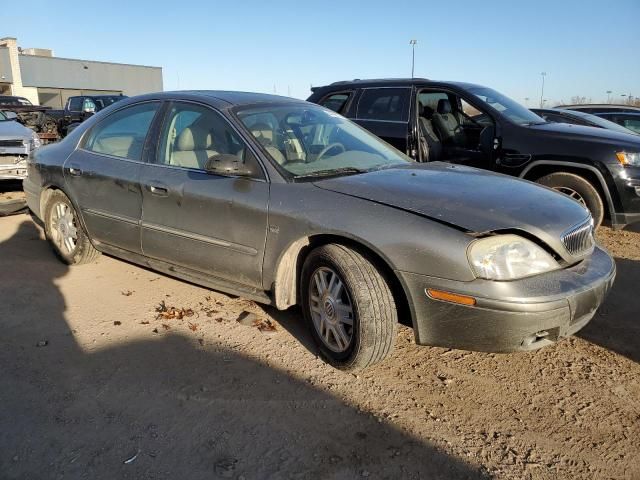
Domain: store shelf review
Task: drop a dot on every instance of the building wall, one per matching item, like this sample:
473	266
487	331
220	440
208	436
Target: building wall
64	73
5	66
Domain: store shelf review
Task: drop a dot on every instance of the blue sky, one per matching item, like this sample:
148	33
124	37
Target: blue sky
586	47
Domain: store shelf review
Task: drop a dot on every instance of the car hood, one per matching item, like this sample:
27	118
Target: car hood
581	132
473	200
12	130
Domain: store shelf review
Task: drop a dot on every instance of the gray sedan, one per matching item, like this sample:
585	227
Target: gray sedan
288	203
16	142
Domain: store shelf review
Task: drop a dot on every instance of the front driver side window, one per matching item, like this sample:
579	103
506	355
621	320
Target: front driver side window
191	134
123	133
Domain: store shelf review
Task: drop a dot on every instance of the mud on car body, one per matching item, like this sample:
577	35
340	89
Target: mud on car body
288	203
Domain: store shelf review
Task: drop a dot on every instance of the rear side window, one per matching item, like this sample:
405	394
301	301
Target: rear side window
123	133
336	102
390	104
75	103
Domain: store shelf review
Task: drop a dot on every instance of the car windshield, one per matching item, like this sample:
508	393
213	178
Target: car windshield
104	102
312	141
507	107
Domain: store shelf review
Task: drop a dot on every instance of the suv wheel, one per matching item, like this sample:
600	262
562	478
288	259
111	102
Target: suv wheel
348	306
64	231
578	188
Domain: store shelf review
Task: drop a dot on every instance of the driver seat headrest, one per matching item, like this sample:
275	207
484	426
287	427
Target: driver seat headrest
444	106
194	138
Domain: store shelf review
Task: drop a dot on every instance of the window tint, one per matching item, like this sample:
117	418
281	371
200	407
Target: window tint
336	102
123	133
75	104
384	104
192	134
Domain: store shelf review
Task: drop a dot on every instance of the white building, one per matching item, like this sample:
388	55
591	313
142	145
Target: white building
48	80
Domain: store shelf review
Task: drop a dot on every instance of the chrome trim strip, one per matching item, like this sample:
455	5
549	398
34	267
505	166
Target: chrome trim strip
111	216
200	238
579	239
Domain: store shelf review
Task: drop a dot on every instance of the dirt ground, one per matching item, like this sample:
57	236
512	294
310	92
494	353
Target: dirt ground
96	383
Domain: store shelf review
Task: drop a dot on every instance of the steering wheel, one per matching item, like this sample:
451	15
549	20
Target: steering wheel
331	146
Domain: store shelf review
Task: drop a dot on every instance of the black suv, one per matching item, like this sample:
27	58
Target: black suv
477	126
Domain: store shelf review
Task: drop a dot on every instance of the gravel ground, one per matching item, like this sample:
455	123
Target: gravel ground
96	383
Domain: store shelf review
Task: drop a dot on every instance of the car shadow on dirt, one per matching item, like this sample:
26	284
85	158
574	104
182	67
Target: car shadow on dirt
168	407
616	326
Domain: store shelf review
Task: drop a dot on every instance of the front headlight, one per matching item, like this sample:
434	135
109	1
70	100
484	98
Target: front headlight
508	257
627	158
35	142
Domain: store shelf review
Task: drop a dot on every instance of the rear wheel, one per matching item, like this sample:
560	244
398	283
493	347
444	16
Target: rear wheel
578	188
348	306
65	232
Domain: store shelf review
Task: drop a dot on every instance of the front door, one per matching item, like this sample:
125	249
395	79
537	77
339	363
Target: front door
103	176
209	223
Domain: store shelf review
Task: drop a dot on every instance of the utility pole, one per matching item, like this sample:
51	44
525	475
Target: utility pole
609	96
413	55
543	74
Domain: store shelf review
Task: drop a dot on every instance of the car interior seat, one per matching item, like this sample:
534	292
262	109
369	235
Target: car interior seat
193	148
265	136
431	145
447	124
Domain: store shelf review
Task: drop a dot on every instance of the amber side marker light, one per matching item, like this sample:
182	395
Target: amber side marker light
622	158
450	297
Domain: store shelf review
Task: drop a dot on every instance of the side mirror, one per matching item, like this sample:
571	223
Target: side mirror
11	115
228	166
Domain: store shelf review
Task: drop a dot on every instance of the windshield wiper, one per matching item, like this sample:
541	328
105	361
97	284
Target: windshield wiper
333	171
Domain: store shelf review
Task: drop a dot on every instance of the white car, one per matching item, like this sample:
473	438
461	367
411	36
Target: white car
16	142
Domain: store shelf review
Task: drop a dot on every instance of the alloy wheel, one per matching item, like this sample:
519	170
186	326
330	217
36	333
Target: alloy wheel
570	192
64	231
331	309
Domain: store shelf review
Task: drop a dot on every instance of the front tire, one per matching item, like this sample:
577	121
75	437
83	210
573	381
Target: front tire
578	188
348	306
65	233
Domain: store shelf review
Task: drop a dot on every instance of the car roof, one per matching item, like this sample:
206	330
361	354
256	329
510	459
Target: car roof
231	97
612	106
374	82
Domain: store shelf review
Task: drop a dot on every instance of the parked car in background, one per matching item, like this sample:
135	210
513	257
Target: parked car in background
79	108
477	126
40	119
287	203
16	143
624	115
576	117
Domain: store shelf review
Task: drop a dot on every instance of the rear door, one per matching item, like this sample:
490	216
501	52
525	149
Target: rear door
209	223
384	111
102	176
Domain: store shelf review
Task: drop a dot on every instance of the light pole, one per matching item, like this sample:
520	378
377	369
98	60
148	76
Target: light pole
543	74
609	96
413	55
526	101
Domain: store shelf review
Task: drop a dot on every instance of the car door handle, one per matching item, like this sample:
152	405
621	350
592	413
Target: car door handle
75	171
158	190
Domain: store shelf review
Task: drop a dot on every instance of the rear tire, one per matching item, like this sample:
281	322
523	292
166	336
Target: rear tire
348	306
65	233
578	188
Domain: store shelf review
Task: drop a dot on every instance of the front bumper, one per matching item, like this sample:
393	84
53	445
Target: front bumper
510	316
13	167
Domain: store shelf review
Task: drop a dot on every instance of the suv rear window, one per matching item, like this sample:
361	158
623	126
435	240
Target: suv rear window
389	104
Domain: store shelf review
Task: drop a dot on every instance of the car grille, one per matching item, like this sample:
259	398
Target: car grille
579	239
11	143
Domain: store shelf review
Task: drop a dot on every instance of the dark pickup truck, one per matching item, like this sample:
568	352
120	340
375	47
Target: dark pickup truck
81	107
53	124
474	125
